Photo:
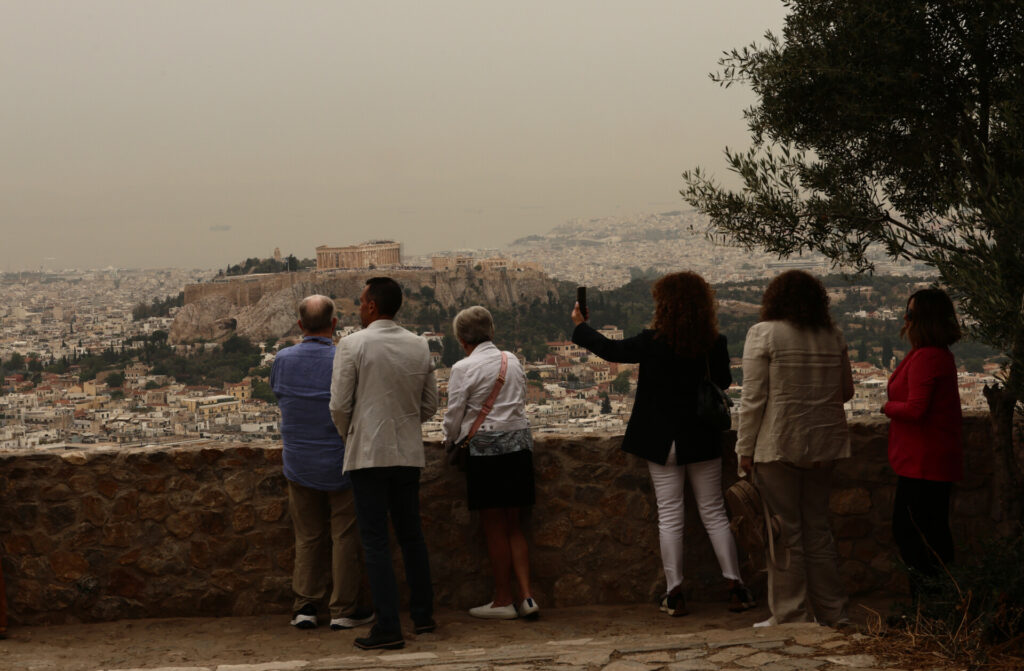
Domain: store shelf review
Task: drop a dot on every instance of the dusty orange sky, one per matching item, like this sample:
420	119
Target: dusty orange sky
198	133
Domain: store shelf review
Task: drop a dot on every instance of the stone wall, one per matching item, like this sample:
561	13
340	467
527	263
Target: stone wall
156	532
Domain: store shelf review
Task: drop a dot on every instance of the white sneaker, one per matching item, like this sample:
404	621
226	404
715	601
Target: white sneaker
489	611
529	609
356	620
770	622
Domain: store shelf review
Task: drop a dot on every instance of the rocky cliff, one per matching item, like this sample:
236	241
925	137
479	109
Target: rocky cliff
265	306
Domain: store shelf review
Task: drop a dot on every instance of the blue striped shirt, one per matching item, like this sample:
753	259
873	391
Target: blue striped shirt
313	451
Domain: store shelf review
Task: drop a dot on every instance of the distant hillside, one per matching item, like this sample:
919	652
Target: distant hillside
263	307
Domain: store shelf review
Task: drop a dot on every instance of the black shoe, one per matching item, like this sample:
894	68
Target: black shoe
741	598
305	617
674	605
379	640
427	626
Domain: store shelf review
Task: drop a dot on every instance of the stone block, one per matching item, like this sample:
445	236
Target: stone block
243	518
571	590
182	524
124	583
82	483
240	486
154	485
153	508
272	486
272	512
552	534
125	506
59	517
108	487
854	501
68	566
585	517
210	496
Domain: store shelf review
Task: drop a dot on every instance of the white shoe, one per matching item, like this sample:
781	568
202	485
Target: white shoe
770	622
355	620
489	611
529	609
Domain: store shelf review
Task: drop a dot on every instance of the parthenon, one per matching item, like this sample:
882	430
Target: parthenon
375	253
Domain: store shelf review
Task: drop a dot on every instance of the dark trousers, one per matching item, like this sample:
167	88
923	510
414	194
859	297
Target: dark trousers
920	525
3	602
394	491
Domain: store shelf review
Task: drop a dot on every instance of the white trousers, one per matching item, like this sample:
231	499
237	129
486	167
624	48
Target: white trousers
706	482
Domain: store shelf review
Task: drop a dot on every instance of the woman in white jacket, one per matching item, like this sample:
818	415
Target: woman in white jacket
796	378
499	468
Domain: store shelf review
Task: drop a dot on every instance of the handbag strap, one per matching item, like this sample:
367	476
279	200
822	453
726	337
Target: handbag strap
489	403
771	535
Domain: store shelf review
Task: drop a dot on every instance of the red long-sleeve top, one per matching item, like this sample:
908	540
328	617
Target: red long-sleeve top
924	409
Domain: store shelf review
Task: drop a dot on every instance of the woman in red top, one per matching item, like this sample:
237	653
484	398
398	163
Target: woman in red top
924	433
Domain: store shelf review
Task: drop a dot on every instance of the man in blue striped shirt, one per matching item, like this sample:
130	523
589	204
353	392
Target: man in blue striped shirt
320	498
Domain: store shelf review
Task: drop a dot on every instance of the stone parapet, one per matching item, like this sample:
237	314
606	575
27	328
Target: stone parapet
176	531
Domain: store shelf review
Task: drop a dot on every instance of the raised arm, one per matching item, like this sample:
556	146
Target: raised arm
344	378
629	350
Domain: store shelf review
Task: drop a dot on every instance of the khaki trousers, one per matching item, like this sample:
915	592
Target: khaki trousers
326	521
810	587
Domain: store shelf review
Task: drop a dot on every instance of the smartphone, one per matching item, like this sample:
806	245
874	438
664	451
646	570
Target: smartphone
581	298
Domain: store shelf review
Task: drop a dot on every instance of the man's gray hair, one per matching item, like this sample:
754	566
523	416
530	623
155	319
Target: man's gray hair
316	312
473	325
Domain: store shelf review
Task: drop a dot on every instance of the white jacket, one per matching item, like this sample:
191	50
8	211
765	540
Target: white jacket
382	389
469	385
795	382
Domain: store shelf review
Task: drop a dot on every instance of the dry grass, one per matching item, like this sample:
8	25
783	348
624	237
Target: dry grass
922	642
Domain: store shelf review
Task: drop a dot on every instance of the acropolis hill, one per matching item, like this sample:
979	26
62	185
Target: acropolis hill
263	306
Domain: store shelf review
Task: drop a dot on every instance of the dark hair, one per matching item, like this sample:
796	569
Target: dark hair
932	322
684	313
316	312
386	293
799	298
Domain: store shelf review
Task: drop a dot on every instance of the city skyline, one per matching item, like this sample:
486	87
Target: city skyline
195	134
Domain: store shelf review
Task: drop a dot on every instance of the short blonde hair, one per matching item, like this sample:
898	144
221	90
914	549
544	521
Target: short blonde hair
474	325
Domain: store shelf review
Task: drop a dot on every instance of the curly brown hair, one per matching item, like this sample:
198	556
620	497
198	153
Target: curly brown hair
799	298
684	313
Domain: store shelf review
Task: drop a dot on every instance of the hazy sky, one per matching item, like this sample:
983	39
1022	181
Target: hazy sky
197	133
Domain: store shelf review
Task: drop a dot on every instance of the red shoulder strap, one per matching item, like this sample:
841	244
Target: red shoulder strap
489	403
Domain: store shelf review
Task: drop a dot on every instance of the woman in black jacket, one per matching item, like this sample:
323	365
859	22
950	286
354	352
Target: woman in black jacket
675	354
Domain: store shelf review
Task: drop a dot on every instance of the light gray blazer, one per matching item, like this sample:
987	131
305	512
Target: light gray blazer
382	389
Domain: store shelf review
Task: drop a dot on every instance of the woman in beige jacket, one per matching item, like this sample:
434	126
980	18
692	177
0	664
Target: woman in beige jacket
792	428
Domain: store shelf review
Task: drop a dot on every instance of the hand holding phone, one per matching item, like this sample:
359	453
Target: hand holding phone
581	299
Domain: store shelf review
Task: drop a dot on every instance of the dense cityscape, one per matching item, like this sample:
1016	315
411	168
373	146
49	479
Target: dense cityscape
85	357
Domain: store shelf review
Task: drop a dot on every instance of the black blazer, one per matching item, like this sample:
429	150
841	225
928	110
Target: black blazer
665	408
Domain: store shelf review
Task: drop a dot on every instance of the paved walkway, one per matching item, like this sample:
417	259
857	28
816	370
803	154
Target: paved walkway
628	638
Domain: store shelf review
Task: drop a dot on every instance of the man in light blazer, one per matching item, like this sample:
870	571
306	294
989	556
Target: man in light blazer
382	389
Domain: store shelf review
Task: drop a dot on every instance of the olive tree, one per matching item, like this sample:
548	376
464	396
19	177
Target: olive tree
895	126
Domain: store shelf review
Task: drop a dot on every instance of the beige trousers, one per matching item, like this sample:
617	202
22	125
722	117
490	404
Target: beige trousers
326	522
810	586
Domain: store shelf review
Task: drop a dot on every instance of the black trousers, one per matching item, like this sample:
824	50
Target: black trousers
393	492
920	525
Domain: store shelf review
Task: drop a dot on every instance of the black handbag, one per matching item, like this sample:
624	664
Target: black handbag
713	404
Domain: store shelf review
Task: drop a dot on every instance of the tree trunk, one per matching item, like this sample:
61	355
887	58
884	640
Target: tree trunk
1008	455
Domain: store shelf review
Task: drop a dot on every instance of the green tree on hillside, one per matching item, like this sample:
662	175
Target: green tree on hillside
898	125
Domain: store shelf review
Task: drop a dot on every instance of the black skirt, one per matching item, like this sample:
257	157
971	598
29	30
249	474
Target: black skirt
500	481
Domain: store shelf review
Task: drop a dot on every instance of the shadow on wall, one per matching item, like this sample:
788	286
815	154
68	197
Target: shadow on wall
98	535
